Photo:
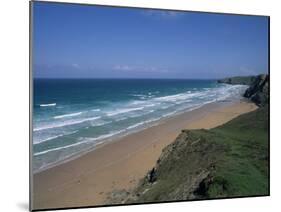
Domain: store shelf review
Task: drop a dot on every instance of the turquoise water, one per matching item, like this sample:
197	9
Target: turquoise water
73	115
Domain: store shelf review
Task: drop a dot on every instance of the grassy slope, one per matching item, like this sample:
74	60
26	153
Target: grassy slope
245	164
227	161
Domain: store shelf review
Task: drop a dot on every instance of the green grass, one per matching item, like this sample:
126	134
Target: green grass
227	161
245	164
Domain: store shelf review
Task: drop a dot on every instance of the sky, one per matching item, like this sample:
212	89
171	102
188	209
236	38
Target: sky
81	41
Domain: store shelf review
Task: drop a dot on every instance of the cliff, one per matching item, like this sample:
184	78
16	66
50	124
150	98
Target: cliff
227	161
248	80
258	90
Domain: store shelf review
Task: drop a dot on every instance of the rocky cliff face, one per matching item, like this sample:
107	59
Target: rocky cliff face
258	91
183	171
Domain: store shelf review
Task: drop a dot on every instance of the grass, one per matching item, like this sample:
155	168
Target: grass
245	164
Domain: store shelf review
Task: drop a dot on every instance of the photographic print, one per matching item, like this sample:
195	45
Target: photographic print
137	105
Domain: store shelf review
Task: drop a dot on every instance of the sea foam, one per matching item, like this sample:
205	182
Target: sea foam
48	105
126	110
68	115
65	123
83	141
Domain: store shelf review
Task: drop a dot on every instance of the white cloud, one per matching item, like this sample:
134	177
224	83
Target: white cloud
162	13
139	69
247	71
75	65
123	68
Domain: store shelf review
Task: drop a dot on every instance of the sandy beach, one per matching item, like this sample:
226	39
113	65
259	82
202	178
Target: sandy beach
120	164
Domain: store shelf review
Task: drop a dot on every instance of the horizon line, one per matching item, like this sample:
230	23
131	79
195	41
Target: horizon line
132	78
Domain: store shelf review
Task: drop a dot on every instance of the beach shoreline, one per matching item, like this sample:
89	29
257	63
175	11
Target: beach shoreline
116	138
87	180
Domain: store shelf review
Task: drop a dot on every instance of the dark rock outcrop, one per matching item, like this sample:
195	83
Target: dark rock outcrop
152	176
258	91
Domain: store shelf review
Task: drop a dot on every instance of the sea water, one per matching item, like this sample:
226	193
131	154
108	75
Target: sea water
71	116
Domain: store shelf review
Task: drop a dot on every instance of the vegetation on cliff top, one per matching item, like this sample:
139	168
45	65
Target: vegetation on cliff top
247	80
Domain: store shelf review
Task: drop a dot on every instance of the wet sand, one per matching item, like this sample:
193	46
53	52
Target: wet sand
120	164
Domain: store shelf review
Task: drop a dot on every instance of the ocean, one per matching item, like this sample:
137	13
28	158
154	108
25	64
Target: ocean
72	116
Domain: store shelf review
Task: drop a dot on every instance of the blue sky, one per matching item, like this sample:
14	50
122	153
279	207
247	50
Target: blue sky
79	41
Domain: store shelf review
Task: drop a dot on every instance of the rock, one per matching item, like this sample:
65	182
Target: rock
151	176
258	90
